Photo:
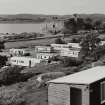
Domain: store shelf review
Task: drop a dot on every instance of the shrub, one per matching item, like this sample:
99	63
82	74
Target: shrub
3	60
11	96
68	61
12	75
59	41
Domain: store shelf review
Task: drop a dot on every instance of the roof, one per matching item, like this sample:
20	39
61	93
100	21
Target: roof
84	77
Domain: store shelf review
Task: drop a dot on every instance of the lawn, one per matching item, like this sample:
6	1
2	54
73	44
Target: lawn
29	43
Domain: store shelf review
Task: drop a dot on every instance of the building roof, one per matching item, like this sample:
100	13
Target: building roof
84	77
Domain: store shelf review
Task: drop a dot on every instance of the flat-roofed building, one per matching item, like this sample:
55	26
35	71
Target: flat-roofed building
18	52
59	47
24	61
83	88
70	52
41	49
45	56
75	45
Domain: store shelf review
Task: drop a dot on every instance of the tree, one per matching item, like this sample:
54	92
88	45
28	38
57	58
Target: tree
74	24
3	60
89	45
99	52
103	27
2	45
70	61
88	24
98	24
59	41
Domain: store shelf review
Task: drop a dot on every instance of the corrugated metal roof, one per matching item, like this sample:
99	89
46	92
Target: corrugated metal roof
84	77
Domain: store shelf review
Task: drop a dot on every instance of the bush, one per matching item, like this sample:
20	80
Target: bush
3	60
11	96
12	75
59	41
68	61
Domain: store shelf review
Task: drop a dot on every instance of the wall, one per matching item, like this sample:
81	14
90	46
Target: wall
59	94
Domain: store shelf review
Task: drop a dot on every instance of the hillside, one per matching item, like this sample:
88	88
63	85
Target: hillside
18	18
26	18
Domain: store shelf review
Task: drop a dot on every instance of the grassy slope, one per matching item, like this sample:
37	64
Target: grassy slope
36	42
27	91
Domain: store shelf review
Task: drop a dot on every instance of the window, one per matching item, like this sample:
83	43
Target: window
102	92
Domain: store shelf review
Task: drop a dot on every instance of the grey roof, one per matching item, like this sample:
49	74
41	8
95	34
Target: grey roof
83	77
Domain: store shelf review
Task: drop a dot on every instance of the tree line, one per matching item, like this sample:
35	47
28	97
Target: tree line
75	24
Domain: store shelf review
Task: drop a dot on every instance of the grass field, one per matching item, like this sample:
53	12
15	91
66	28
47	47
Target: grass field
29	43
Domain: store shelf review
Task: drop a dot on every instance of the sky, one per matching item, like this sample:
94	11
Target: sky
52	7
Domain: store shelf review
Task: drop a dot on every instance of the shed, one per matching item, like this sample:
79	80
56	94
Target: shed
83	88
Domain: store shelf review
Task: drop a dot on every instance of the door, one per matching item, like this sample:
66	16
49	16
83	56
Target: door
75	96
29	63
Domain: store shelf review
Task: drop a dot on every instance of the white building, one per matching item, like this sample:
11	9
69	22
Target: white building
70	53
59	47
18	52
45	56
102	43
24	61
74	45
69	50
42	49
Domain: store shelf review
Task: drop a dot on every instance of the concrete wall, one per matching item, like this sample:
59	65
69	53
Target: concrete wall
59	94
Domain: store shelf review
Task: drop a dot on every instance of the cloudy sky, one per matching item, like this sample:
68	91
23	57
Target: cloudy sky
60	7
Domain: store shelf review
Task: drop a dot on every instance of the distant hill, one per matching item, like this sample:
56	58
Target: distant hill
27	18
42	18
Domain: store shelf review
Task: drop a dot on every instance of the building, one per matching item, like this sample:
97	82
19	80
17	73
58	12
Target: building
45	56
59	47
70	52
18	52
41	49
83	88
24	61
74	45
102	43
